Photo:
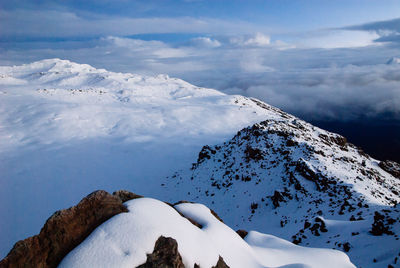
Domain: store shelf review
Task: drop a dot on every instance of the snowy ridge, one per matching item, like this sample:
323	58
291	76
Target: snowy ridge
56	100
286	177
64	124
124	240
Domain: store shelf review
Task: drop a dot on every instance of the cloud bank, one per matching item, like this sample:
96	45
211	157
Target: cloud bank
338	74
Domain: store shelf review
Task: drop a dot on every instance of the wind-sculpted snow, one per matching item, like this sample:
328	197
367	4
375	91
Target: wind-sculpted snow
57	100
124	240
67	129
286	177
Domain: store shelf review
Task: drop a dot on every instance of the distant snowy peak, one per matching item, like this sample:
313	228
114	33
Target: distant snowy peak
393	61
76	101
63	74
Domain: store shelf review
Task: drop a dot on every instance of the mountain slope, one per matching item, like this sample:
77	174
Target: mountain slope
286	177
67	129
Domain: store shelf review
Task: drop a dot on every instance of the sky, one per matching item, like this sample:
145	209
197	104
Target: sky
319	59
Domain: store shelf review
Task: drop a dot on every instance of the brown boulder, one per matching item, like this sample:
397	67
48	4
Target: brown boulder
242	233
165	255
63	231
125	195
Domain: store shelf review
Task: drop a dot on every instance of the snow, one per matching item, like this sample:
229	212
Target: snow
344	188
67	129
125	239
273	251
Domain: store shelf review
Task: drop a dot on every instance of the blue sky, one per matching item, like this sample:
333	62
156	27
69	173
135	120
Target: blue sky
314	58
271	17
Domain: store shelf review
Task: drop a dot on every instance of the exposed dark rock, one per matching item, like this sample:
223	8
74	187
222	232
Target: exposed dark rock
205	153
125	195
242	233
253	154
221	263
346	247
276	198
391	167
165	255
320	181
63	231
381	225
322	224
339	140
307	224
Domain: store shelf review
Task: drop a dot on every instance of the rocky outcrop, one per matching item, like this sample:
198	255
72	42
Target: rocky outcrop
125	195
242	233
165	255
66	229
221	263
391	167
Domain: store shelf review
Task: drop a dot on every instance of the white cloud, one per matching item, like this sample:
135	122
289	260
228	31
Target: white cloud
256	40
337	83
156	48
337	39
205	42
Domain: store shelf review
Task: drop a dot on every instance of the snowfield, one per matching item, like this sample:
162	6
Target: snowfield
68	129
124	240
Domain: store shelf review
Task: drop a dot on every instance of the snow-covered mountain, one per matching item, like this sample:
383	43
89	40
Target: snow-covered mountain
67	129
286	177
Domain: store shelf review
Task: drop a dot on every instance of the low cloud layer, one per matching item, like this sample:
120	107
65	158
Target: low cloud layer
338	74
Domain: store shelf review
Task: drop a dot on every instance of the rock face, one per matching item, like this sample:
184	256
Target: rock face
391	167
221	263
165	255
125	195
66	229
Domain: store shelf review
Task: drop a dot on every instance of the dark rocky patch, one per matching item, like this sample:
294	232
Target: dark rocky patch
253	154
381	224
205	153
276	198
221	263
63	231
391	167
242	233
125	195
165	255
